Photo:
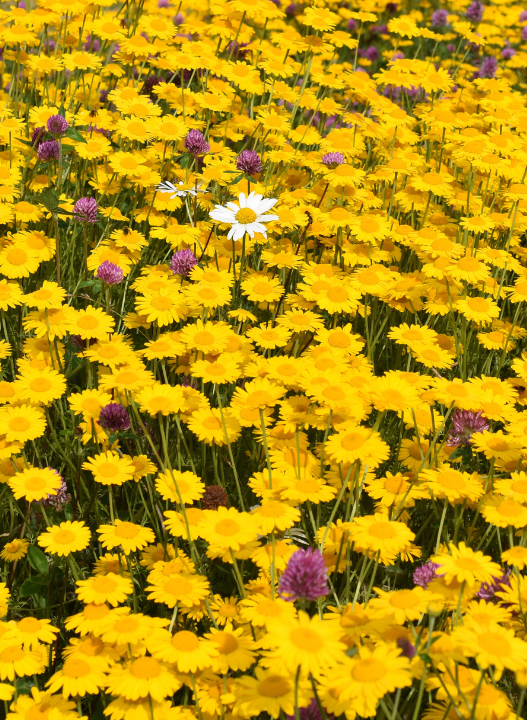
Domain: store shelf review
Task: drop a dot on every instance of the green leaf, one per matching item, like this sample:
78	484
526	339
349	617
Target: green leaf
49	198
87	283
352	651
68	512
37	559
73	134
33	586
464	452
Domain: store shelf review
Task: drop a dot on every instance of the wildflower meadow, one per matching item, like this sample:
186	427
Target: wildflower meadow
263	360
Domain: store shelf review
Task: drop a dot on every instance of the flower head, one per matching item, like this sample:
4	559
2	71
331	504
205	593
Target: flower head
305	577
196	144
488	67
246	217
61	498
57	125
488	591
182	262
464	424
114	417
424	574
249	162
48	150
109	273
85	210
37	136
475	11
440	18
333	159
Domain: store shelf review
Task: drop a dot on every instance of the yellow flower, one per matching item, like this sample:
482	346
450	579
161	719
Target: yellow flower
465	565
65	538
126	535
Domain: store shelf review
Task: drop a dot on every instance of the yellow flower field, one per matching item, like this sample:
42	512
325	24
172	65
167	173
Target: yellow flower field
263	425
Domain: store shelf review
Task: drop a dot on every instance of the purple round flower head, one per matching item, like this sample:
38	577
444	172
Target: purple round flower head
406	648
450	47
163	4
57	125
508	52
114	417
399	55
391	7
237	51
182	262
196	144
92	43
371	53
352	25
305	577
524	33
37	137
333	159
475	11
488	591
424	574
109	273
48	150
61	498
523	16
85	210
311	712
440	18
464	424
249	162
78	342
488	67
179	19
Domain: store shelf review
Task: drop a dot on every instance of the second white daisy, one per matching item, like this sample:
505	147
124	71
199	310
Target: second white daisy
247	216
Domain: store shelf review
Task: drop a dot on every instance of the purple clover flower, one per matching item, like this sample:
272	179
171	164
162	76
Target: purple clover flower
311	712
182	262
57	125
114	417
508	52
305	577
352	25
85	210
333	159
488	591
406	648
465	423
61	498
249	162
524	33
371	53
424	574
440	18
109	273
488	67
48	150
37	137
523	16
196	144
93	128
475	11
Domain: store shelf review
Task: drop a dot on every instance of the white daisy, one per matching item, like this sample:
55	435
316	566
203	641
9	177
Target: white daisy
179	190
246	217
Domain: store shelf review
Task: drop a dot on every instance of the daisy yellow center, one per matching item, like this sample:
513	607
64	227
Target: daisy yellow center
212	423
204	338
307	487
271	509
345	171
369	670
64	537
162	302
395	485
185	641
42	294
126	530
129	163
352	441
451	479
509	508
226	642
404	599
108	470
40	385
498	444
337	294
228	610
306	639
263	288
178	587
332	392
108	352
88	322
216	369
158	404
520	486
274	686
12	653
382	530
29	625
339	339
227	527
430	354
126	625
478	304
76	668
339	213
469	264
35	483
16	256
208	293
246	216
127	377
145	668
104	585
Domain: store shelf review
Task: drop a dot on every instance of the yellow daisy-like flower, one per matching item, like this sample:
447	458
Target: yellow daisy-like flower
144	677
377	535
109	468
35	484
127	535
111	588
41	386
91	323
78	677
179	487
465	565
14	550
63	539
227	528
